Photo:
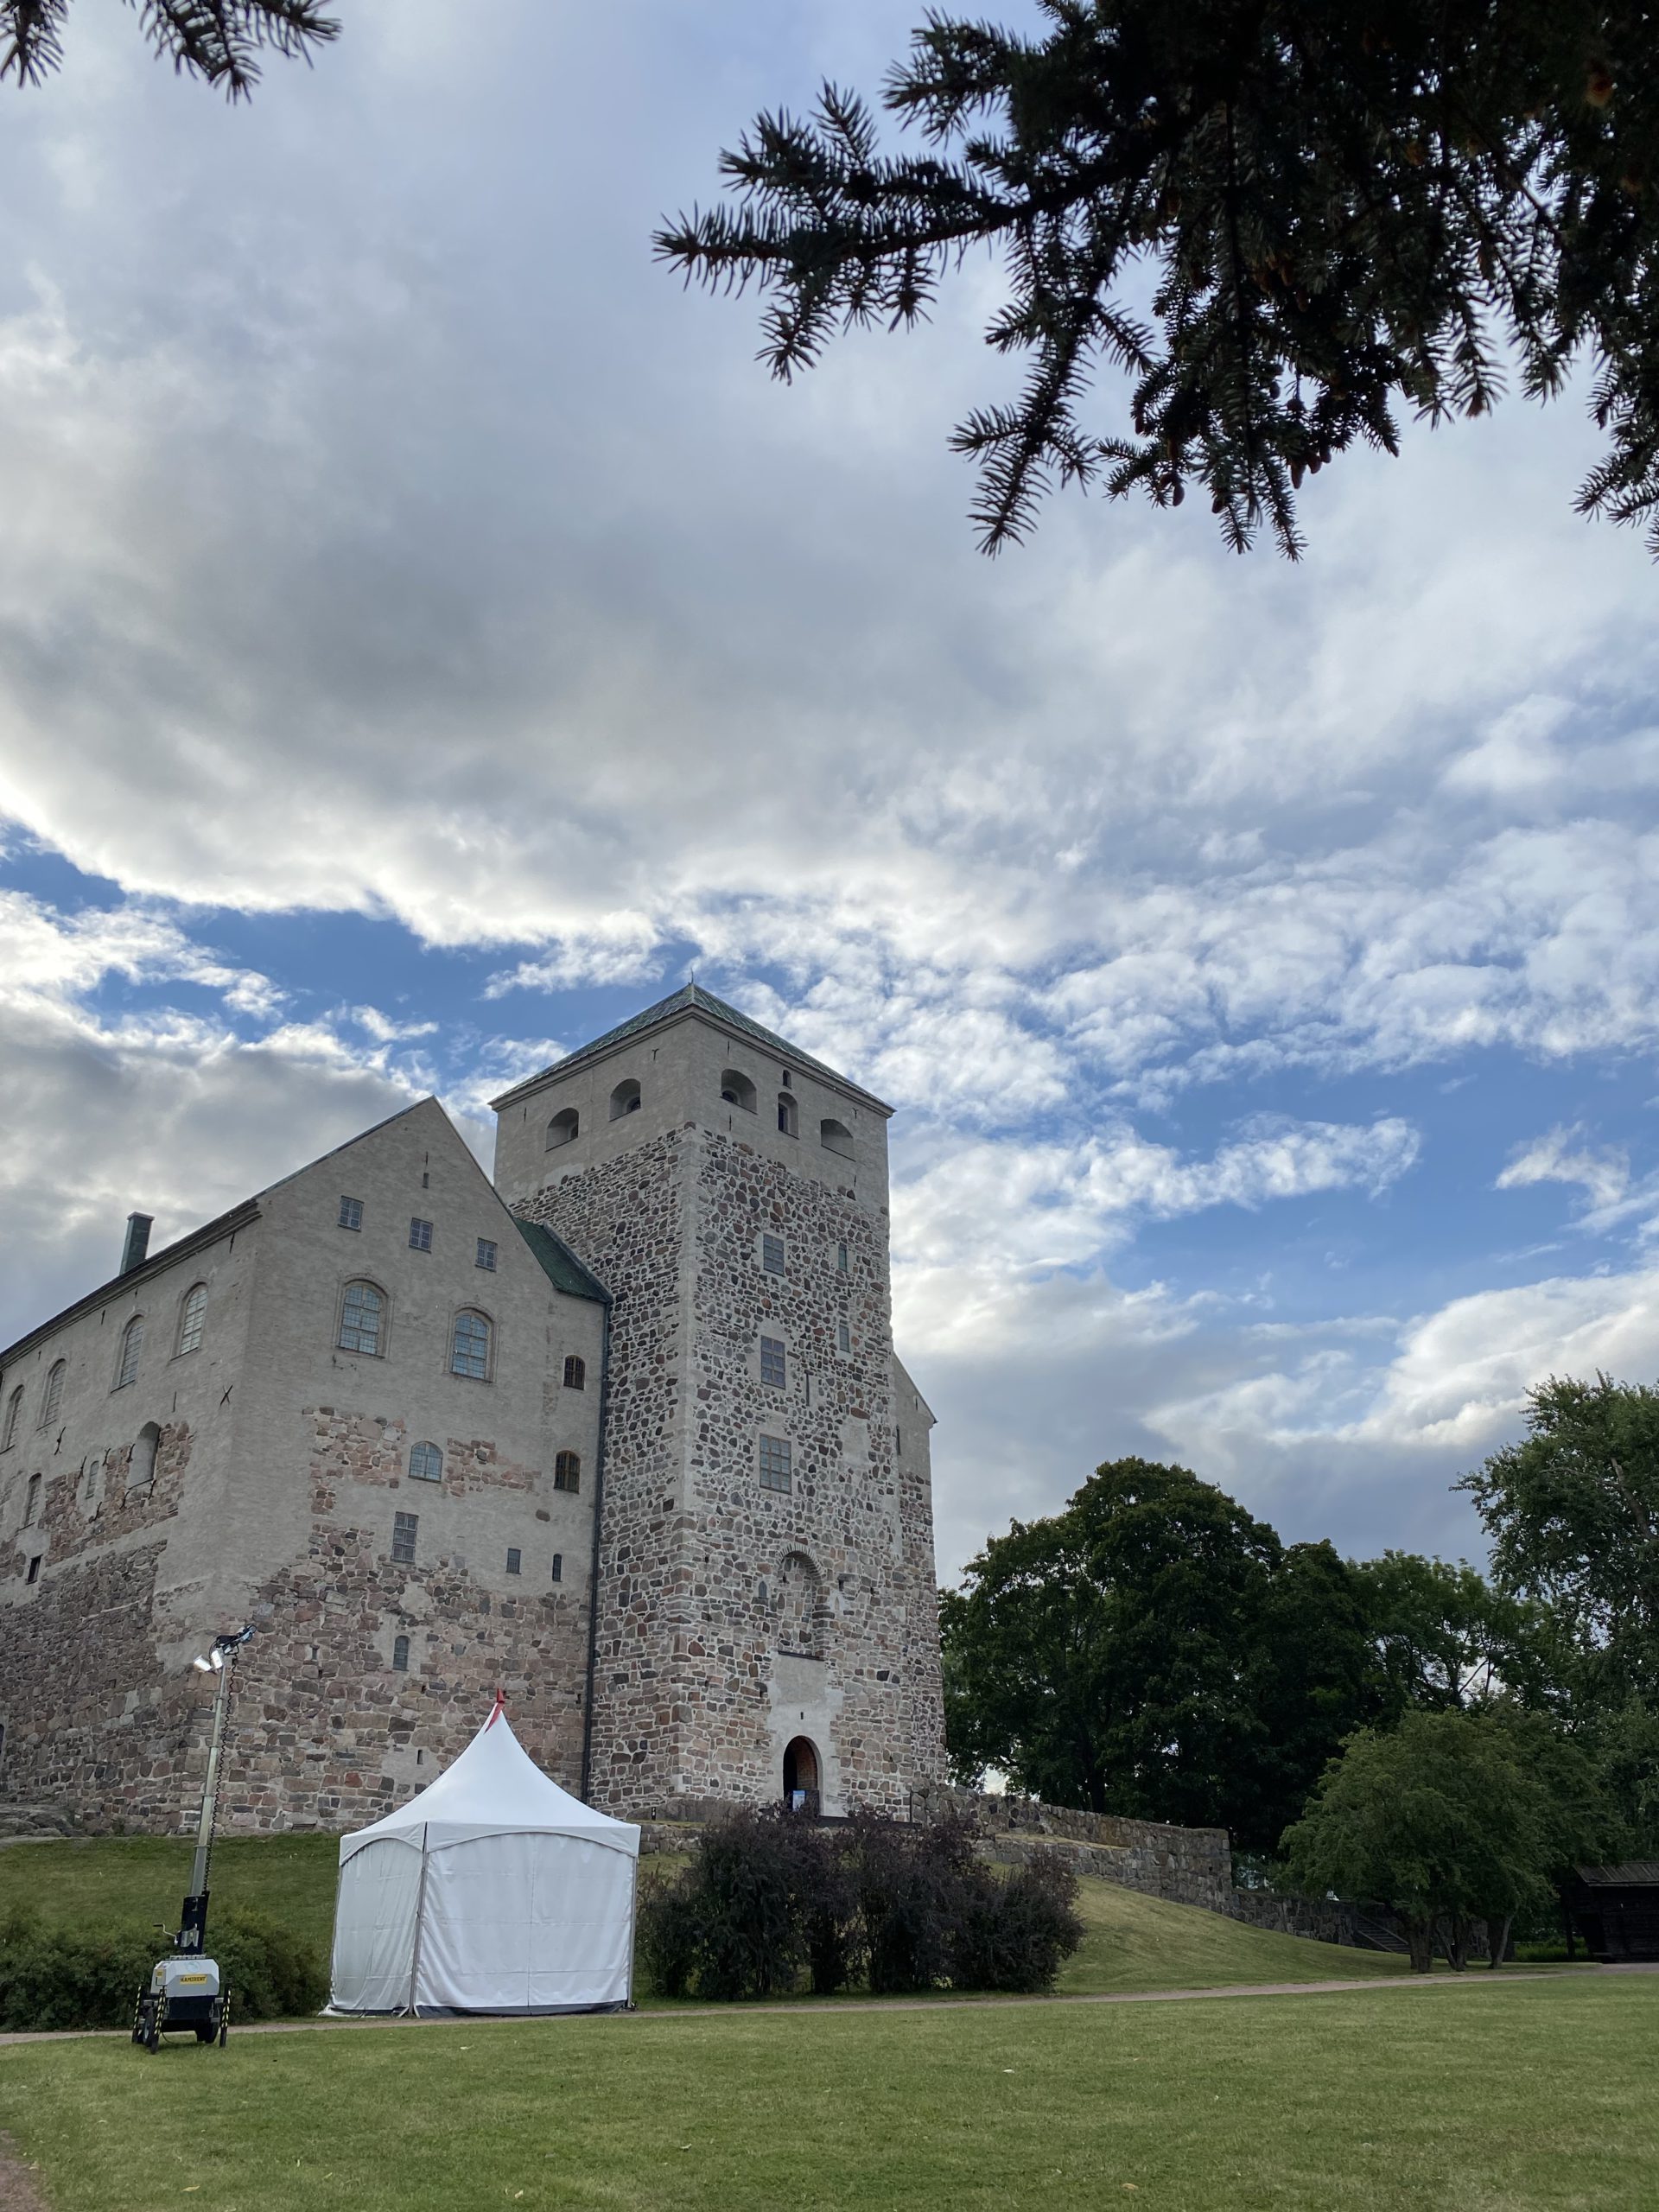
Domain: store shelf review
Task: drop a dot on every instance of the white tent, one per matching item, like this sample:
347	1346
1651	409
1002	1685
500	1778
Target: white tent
494	1891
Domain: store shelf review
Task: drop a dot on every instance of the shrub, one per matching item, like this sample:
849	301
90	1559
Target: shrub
771	1898
53	1977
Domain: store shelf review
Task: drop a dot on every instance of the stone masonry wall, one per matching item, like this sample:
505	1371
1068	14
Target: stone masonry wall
1186	1865
625	1219
732	1617
324	1732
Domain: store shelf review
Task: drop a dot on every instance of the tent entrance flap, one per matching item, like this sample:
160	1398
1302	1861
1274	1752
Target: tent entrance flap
375	1914
415	1948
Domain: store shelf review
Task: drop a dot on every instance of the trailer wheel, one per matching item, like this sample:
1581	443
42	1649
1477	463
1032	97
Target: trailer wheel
149	2030
138	2025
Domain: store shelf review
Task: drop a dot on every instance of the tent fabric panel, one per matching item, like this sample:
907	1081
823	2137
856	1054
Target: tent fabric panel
526	1922
374	1928
445	1835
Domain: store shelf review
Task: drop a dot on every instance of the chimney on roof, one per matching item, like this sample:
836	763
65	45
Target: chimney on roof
138	1244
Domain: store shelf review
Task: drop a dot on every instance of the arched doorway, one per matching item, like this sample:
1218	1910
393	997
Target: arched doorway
802	1788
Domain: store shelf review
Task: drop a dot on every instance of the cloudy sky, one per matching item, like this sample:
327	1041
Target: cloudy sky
425	635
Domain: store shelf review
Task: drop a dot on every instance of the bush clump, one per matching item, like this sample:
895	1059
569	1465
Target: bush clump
773	1902
55	1977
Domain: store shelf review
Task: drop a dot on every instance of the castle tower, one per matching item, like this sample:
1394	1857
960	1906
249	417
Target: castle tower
766	1614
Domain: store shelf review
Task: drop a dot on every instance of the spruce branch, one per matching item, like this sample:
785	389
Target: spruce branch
1342	205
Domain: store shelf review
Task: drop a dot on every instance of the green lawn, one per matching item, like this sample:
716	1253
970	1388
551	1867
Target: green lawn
1456	2097
1133	1943
97	1881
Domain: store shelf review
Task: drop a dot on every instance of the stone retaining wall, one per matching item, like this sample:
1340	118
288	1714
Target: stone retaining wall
1184	1865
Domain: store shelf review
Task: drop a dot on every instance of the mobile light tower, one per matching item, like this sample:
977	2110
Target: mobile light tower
184	1996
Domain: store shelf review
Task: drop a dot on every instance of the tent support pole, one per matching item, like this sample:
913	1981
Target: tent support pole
420	1914
634	1914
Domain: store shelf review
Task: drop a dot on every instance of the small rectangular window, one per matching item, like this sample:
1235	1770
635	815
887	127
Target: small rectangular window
898	1439
841	1259
420	1235
843	1337
486	1253
558	1566
771	1362
350	1213
567	1472
404	1526
771	1255
774	1462
513	1558
34	1574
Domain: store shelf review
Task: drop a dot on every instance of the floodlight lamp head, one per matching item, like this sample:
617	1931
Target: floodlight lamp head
216	1659
204	1665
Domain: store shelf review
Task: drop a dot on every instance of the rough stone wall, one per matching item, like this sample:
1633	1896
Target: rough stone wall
705	1666
626	1218
1186	1865
324	1732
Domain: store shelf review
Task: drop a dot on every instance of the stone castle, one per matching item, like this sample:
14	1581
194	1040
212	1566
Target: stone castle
623	1433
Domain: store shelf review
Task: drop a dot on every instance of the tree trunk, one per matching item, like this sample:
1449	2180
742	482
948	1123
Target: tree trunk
1497	1939
1456	1941
1419	1941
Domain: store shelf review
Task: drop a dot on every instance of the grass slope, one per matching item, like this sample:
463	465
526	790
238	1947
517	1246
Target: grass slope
1466	2097
1133	1943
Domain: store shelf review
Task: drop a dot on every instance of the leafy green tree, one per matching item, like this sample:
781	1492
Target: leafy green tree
1445	1637
220	40
1436	1819
1153	1650
1581	1820
1282	221
1572	1512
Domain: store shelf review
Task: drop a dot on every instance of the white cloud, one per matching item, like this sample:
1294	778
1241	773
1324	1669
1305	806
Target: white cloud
1604	1176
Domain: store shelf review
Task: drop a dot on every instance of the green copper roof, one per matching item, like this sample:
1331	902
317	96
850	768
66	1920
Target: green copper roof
560	1264
692	998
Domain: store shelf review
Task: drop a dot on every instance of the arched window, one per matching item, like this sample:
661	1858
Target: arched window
13	1413
788	1121
32	1500
575	1373
192	1314
736	1090
92	1469
802	1612
563	1127
558	1566
425	1462
836	1136
400	1655
132	1343
469	1347
363	1319
53	1398
140	1467
567	1472
625	1099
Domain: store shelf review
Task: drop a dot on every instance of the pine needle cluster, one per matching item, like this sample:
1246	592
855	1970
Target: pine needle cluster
1284	222
220	40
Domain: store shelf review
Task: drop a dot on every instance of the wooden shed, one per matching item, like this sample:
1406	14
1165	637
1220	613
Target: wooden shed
1616	1909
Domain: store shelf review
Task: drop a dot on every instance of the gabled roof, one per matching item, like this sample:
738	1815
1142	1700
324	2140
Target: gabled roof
1633	1874
560	1264
692	998
197	1240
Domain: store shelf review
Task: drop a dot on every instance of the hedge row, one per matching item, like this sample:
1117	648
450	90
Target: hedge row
773	1903
55	1977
